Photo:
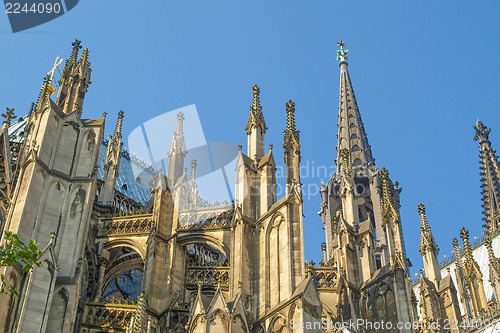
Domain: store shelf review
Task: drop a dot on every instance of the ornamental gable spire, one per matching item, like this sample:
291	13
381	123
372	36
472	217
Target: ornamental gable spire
490	178
427	241
256	117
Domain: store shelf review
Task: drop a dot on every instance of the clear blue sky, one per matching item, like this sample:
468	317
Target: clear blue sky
423	72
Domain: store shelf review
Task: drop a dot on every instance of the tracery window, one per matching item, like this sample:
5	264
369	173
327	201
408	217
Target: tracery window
204	255
125	286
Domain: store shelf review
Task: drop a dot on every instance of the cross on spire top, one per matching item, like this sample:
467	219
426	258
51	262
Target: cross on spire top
77	44
8	116
341	52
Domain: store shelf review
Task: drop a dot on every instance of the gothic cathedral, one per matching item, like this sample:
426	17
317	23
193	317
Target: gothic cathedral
128	253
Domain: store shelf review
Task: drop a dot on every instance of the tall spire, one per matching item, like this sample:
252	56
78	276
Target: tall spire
256	126
177	152
490	178
351	133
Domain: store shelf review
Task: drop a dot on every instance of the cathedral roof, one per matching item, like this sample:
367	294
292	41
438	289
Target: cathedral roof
134	176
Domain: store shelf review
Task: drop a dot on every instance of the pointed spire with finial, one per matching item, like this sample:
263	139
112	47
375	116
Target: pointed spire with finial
74	53
473	272
256	117
291	145
457	253
256	126
427	241
193	171
44	92
389	206
494	261
84	59
119	124
352	134
177	152
464	234
428	249
490	178
74	81
342	53
290	130
9	115
180	123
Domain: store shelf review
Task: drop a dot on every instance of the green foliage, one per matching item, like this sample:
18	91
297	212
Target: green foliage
13	251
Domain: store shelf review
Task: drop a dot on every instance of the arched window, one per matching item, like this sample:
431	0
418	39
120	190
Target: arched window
125	286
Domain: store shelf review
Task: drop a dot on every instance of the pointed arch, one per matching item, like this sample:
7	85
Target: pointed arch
58	309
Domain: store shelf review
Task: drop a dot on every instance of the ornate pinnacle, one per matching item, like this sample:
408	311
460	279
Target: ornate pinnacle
290	122
8	116
256	117
344	156
118	128
76	46
487	241
482	132
180	122
290	110
464	234
386	193
427	239
193	171
341	52
256	107
85	56
388	202
421	211
423	219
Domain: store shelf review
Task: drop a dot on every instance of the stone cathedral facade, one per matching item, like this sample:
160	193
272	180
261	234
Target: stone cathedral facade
127	248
